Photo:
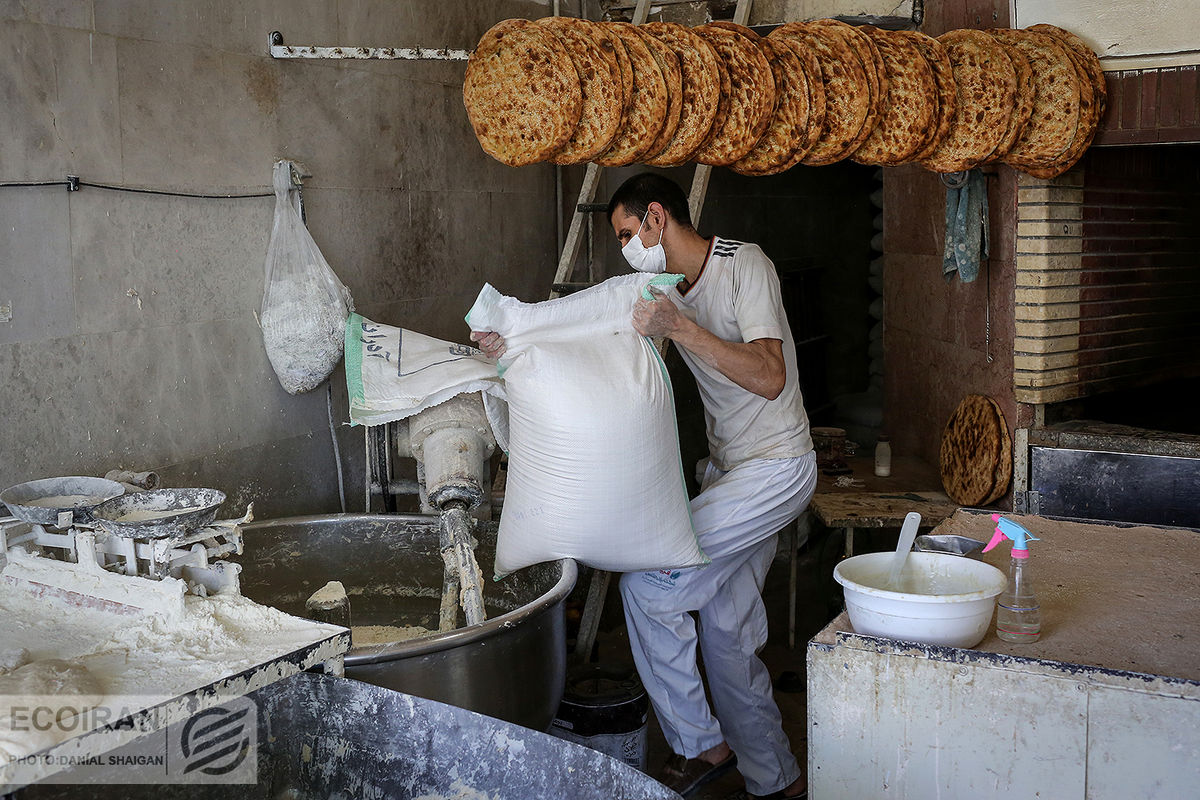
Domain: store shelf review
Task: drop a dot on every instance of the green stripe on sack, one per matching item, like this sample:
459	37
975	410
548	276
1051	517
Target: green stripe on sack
354	347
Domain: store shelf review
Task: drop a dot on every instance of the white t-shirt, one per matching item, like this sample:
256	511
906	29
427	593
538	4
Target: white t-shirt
737	298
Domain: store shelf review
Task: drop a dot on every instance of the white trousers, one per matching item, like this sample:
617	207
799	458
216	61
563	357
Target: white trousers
737	516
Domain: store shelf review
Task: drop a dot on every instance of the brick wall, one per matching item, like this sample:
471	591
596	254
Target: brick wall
1108	274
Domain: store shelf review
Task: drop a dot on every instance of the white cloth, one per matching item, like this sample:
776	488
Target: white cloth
736	516
737	297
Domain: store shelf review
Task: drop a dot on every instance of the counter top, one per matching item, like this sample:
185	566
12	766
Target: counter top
1116	598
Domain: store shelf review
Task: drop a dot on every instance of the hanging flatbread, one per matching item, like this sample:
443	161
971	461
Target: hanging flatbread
1092	100
624	67
521	92
1056	110
751	94
602	109
847	93
987	87
647	111
909	108
779	147
672	72
868	54
971	449
1022	104
947	90
701	81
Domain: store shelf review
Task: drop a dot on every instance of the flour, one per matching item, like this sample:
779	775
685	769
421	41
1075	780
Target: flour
329	596
303	325
65	501
361	635
460	791
61	690
142	515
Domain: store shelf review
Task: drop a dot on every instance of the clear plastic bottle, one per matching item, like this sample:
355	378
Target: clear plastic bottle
883	457
1018	615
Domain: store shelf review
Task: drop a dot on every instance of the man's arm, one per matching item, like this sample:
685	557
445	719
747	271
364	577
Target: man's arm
756	366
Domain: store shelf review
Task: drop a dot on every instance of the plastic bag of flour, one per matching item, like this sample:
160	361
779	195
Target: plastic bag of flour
304	305
393	373
594	471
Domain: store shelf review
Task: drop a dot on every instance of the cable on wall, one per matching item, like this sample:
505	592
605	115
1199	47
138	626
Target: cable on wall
74	184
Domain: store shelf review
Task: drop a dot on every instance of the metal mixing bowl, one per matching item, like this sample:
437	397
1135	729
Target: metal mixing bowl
511	667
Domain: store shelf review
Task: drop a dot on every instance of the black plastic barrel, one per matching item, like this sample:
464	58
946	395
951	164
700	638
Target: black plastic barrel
604	707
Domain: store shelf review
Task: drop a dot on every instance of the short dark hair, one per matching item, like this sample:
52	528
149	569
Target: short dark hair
637	193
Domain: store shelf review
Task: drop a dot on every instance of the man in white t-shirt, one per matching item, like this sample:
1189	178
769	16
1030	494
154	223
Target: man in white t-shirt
727	319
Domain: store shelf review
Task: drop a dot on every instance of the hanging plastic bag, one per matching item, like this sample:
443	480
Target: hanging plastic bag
304	306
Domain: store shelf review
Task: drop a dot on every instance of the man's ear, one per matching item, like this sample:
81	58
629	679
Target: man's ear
658	213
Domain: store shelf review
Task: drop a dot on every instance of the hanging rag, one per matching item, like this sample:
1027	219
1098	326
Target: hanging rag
966	226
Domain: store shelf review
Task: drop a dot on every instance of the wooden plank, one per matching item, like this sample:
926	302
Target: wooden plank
879	510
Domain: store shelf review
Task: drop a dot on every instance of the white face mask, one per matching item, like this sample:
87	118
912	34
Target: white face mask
642	258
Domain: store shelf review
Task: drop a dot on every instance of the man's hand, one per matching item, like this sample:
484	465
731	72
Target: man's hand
657	317
490	342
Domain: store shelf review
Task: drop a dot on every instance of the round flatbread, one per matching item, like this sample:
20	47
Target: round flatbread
1004	462
847	93
1022	105
672	72
947	89
987	87
624	68
647	111
779	147
1092	99
868	54
1056	110
970	451
521	92
909	107
751	94
602	109
701	82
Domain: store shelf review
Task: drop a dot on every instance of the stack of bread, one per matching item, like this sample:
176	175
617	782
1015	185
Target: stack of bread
571	91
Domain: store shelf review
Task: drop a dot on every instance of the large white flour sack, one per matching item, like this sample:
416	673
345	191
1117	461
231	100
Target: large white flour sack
594	471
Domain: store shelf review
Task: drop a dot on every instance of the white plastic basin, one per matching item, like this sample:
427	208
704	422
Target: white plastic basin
943	599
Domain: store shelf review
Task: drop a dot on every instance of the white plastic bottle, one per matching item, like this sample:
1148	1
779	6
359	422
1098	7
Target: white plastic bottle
883	457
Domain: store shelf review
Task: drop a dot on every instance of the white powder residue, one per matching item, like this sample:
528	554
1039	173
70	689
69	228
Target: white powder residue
303	325
142	515
328	596
65	501
385	634
460	791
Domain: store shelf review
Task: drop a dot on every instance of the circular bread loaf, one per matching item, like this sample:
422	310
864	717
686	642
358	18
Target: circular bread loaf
647	111
751	94
970	451
1092	100
947	90
847	93
863	46
780	146
987	87
909	107
624	68
1004	462
1022	104
701	81
521	92
596	63
1056	111
672	72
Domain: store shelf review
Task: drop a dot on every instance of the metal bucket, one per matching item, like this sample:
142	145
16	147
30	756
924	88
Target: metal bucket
605	708
511	667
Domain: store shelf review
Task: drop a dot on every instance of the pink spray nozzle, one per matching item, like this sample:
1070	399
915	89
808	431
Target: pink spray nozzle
1007	529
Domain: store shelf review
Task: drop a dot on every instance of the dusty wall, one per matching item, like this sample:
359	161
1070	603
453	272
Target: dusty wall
936	340
134	340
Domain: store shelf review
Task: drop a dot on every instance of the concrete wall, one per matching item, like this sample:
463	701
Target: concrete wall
134	340
935	337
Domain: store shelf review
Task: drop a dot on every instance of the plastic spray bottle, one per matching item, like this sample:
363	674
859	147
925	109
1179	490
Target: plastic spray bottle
1018	615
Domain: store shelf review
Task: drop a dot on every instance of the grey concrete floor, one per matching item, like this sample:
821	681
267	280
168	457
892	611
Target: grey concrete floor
817	602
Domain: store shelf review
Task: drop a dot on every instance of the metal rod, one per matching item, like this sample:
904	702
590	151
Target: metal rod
458	553
278	49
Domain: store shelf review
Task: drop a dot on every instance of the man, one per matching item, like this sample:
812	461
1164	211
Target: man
727	319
